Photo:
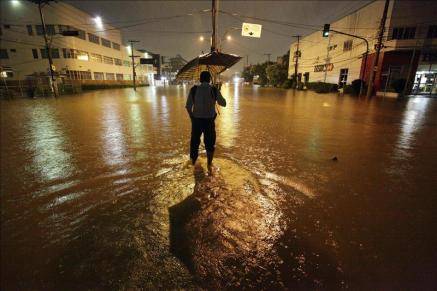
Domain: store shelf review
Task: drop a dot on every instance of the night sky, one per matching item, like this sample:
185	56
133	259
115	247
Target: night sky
180	34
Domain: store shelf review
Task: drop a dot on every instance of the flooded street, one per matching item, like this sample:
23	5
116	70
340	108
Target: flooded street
96	193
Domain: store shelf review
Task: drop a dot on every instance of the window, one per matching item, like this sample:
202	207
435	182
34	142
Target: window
96	57
432	31
343	77
82	55
110	76
6	26
85	75
54	53
403	32
108	60
50	29
99	76
430	57
63	28
93	38
118	62
4	54
115	46
13	50
347	45
128	77
126	63
68	53
29	29
119	77
80	31
106	42
35	53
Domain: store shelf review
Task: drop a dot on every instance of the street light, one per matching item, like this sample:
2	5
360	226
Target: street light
227	36
98	21
15	3
201	38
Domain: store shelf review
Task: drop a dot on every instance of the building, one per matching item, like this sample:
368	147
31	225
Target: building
170	66
96	54
409	48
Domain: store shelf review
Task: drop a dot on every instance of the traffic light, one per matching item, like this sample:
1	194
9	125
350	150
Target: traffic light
326	30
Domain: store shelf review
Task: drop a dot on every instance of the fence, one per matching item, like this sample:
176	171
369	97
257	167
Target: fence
39	86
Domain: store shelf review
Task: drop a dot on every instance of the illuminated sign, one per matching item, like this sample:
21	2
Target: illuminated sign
251	30
324	67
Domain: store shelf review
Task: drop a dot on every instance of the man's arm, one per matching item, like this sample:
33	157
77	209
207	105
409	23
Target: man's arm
189	104
220	100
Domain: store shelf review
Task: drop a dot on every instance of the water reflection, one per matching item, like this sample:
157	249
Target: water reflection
413	118
164	111
228	119
113	137
136	124
49	144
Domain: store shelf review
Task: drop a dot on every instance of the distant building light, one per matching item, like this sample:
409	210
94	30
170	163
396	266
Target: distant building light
15	3
4	74
82	57
146	55
98	21
201	38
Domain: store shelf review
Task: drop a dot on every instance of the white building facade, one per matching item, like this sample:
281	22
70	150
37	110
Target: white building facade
96	54
409	42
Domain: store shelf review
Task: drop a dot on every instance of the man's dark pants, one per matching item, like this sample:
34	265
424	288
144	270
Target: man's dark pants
199	126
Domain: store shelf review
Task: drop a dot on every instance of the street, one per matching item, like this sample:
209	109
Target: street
311	191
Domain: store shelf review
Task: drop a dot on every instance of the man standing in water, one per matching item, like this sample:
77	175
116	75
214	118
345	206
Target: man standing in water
201	109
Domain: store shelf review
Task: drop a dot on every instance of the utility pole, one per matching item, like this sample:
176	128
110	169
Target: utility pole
410	71
134	74
327	58
296	64
375	67
268	57
214	26
47	46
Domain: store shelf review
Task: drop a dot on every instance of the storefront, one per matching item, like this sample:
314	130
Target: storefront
425	81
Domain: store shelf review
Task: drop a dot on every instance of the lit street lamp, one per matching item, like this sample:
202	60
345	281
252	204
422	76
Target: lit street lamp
227	36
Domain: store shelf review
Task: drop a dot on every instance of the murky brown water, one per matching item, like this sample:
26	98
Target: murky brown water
95	193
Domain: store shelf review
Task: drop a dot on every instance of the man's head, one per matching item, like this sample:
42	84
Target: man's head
205	76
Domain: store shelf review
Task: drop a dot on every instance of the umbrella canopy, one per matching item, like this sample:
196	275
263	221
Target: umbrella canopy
214	62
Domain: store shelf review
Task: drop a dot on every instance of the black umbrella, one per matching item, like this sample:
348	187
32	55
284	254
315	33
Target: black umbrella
214	62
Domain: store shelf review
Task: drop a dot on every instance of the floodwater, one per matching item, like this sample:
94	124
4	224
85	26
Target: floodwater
96	193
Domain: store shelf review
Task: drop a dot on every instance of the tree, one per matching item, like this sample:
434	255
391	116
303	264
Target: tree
276	74
247	74
260	71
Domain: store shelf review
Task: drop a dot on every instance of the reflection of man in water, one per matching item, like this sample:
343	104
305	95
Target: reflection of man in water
201	108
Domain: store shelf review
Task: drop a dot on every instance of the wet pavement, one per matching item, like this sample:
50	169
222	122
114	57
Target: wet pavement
96	193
